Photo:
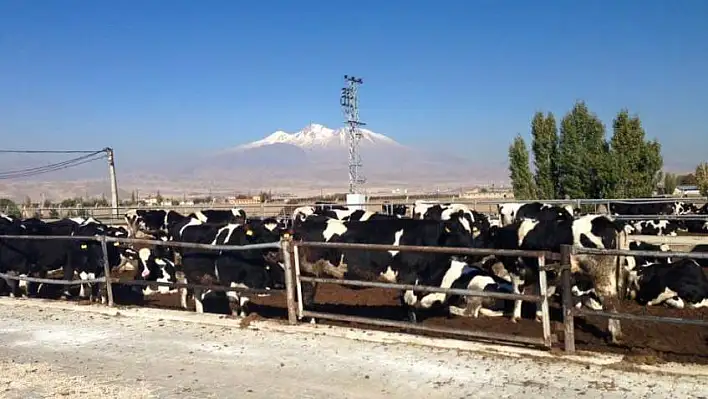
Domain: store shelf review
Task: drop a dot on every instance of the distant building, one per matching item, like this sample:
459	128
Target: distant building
687	190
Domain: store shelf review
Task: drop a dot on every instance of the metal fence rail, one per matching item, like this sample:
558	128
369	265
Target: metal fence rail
110	281
267	208
546	340
569	311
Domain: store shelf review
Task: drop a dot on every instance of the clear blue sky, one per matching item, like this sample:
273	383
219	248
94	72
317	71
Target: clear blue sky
467	75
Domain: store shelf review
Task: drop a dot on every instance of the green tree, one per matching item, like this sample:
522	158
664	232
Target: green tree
132	197
670	183
544	145
702	178
520	172
9	207
583	161
637	161
158	197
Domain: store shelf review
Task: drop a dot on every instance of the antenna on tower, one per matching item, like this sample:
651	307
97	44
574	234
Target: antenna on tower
349	101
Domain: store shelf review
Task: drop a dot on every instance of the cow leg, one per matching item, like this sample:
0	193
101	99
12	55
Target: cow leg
243	309
515	283
183	297
458	311
12	285
309	290
675	302
489	313
68	275
23	286
82	288
198	296
410	299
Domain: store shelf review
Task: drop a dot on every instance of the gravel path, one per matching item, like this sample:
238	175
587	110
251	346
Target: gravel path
52	353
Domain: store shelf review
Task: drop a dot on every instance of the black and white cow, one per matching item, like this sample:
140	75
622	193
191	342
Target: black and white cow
387	266
342	213
590	231
656	227
151	222
514	212
155	264
473	222
462	275
255	269
680	284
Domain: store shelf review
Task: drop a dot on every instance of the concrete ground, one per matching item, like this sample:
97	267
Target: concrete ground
50	352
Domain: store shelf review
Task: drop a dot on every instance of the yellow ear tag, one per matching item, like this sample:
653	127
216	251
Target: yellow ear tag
84	246
115	244
286	235
249	232
447	229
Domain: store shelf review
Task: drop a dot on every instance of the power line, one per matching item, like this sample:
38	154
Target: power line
47	152
28	172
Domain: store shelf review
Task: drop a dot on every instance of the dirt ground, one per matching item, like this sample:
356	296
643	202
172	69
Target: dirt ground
643	342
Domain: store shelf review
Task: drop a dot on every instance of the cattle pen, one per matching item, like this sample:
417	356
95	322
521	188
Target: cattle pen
294	281
285	207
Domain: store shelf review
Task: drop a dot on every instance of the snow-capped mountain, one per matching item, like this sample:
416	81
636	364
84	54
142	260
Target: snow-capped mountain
316	136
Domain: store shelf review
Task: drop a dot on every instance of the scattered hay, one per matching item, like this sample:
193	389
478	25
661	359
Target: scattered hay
21	380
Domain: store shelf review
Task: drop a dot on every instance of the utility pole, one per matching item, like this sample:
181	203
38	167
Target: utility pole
114	183
350	107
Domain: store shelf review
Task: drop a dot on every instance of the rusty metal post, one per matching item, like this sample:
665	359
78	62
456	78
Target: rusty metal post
107	271
545	312
568	314
286	244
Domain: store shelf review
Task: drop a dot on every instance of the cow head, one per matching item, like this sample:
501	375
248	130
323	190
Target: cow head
457	232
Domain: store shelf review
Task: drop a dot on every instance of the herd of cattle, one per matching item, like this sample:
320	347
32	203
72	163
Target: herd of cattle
534	226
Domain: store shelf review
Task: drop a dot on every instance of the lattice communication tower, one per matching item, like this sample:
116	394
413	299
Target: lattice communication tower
349	101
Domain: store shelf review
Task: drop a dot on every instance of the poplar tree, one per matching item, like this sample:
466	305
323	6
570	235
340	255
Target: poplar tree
520	171
544	146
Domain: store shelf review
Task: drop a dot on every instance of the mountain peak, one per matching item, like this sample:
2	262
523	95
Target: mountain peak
318	136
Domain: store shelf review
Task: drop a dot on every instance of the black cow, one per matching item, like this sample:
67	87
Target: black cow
679	284
701	248
45	257
220	216
394	209
652	208
514	212
639	261
696	226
